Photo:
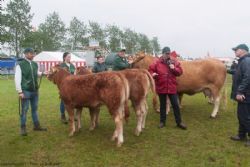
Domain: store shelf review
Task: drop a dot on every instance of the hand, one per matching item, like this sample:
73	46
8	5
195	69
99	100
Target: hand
130	61
240	97
21	95
154	74
171	66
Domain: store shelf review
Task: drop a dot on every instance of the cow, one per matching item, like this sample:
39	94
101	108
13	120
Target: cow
206	75
91	91
140	82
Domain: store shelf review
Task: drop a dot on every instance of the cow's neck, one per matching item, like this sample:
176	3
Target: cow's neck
60	76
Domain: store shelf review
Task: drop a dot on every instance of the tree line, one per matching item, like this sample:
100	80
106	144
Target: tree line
53	34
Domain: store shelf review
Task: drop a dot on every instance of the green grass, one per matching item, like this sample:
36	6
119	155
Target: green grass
205	143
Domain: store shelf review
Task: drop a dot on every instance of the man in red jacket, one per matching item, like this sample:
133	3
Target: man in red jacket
164	71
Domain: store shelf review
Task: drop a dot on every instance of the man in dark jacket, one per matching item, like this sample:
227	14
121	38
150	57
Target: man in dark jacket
164	71
120	62
100	65
241	92
26	77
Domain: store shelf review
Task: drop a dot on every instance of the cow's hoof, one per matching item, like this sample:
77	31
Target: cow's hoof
71	134
137	132
212	117
91	128
119	144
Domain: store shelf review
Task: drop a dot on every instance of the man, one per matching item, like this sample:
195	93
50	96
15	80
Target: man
26	76
120	61
164	71
100	65
241	92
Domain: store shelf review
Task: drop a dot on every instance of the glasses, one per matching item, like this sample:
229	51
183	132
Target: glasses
167	53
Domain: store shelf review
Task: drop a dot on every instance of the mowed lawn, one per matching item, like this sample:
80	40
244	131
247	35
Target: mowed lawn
205	143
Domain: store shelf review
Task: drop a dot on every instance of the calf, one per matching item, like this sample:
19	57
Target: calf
92	91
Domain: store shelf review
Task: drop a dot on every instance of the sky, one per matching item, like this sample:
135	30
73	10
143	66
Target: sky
193	28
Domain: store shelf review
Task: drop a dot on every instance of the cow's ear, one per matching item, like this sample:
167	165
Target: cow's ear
53	69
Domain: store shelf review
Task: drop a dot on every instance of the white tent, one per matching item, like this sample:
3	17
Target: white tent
46	60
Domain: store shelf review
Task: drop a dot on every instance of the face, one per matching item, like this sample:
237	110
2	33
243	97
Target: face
30	55
67	58
240	52
121	54
166	55
100	60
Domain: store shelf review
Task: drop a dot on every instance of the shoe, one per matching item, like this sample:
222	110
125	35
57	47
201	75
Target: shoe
37	127
161	125
63	119
23	131
182	126
237	138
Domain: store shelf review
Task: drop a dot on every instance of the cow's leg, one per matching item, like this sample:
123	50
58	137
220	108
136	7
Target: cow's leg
92	118
139	116
167	105
180	97
145	111
119	129
78	114
216	107
97	116
71	114
216	98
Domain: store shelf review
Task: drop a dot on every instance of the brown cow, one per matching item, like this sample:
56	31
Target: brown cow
140	82
92	91
207	76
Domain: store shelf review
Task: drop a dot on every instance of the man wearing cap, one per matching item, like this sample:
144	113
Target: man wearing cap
241	92
164	71
26	76
100	65
120	61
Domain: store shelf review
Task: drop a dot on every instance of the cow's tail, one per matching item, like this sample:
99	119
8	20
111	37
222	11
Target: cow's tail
224	94
152	86
126	92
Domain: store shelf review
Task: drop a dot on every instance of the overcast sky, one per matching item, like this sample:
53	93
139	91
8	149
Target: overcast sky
191	27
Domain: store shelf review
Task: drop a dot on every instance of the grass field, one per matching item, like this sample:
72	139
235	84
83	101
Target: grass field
205	143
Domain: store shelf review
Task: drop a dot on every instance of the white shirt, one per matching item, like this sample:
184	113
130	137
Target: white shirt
18	77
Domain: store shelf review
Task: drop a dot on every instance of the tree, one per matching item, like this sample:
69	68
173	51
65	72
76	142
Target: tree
96	32
77	31
18	24
155	45
130	41
37	40
5	36
54	31
115	36
144	43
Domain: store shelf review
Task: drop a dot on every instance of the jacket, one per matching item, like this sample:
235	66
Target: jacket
241	79
165	81
120	63
99	67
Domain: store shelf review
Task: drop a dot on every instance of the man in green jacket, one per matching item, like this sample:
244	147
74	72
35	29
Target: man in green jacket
120	61
26	76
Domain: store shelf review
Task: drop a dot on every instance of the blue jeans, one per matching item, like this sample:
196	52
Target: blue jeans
62	108
32	98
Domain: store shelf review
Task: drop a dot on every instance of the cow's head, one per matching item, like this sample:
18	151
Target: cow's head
56	73
83	71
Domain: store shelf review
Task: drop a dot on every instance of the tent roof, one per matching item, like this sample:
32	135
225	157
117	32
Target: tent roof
55	56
